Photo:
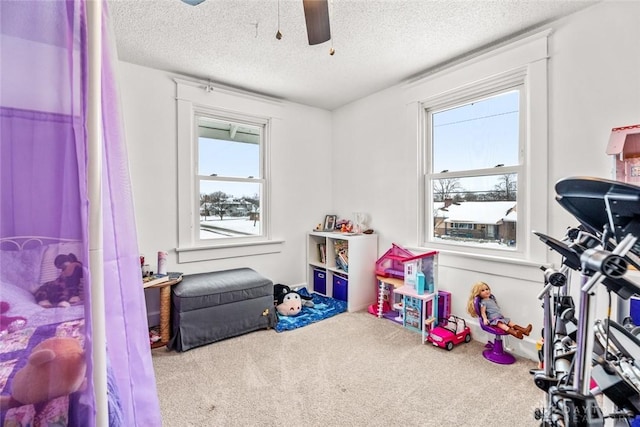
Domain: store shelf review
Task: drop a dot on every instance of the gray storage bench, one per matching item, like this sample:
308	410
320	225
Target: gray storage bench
209	307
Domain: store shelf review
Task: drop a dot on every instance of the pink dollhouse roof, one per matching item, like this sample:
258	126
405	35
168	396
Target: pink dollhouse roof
626	135
424	255
391	263
397	253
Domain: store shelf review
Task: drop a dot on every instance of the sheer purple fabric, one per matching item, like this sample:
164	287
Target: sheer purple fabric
43	191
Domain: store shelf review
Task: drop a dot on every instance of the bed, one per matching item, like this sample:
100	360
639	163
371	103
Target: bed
25	264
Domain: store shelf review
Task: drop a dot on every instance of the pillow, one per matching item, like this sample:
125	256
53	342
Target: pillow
49	271
22	268
17	298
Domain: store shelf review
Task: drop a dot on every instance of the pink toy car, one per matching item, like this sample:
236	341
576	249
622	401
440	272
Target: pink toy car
450	332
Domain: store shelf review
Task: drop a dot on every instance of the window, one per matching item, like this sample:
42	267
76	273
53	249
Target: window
475	159
229	178
482	132
462	225
223	172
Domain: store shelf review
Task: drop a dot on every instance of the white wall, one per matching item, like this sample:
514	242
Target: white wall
363	158
300	175
594	85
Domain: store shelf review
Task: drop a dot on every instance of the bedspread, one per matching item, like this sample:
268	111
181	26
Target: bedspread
15	348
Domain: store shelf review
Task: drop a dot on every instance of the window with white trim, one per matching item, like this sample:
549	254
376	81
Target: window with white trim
474	144
223	172
478	165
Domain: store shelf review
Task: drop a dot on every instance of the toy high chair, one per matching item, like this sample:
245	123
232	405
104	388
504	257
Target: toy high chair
494	351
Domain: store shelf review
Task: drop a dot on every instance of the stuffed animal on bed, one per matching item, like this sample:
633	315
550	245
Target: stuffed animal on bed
67	288
289	302
10	323
56	367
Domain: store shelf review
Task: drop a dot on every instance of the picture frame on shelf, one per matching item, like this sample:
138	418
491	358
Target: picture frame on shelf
329	222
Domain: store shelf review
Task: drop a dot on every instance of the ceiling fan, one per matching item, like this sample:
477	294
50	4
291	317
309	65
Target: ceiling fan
316	15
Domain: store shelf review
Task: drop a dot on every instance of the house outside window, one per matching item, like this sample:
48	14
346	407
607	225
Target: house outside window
475	157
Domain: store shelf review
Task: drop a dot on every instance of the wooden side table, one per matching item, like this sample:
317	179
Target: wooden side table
165	310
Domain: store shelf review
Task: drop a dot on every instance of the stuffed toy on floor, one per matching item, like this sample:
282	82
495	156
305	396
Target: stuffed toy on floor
289	302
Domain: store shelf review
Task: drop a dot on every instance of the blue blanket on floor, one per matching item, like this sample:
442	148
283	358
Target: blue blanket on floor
323	307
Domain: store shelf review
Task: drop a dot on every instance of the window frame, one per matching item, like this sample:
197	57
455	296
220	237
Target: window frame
463	82
194	98
507	83
264	125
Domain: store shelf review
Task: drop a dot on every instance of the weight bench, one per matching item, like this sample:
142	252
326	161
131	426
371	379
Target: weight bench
209	307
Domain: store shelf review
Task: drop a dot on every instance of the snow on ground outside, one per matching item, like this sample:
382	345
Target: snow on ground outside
242	225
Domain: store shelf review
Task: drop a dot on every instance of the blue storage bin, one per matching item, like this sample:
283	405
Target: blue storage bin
319	281
340	287
634	310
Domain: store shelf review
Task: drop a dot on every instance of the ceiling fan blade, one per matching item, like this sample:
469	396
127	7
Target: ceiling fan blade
193	2
316	15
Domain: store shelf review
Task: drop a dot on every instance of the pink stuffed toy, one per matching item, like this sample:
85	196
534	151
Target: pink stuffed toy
9	323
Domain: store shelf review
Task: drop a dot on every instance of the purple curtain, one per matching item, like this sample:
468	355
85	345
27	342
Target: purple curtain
43	192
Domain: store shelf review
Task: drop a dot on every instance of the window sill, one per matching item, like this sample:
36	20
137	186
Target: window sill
230	250
516	268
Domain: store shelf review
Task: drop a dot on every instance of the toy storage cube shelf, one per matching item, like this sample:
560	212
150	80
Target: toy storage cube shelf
356	285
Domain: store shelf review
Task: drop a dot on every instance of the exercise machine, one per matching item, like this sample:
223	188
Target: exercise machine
579	351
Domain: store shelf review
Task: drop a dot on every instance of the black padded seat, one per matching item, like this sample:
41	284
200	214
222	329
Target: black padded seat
209	307
221	287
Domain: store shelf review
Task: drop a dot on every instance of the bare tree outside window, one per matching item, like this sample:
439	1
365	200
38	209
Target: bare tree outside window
221	202
448	188
505	189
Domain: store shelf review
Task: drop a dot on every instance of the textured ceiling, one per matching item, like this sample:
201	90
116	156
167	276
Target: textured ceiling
378	43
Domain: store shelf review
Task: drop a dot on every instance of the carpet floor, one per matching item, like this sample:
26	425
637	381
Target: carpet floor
352	369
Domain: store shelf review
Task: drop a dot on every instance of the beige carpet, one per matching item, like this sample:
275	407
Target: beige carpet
349	370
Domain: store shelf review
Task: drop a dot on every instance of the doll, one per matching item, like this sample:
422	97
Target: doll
491	313
67	288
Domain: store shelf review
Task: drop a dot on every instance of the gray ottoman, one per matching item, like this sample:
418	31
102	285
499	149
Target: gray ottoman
209	307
